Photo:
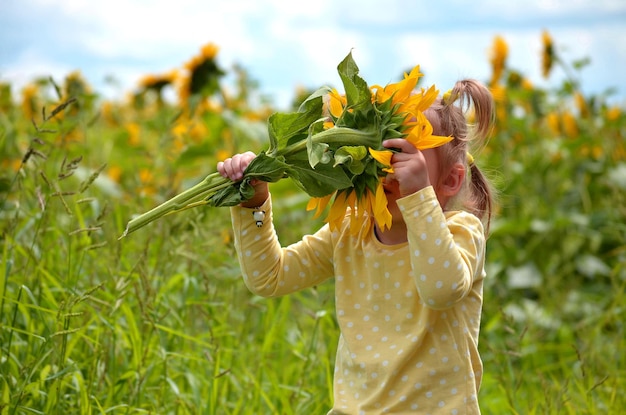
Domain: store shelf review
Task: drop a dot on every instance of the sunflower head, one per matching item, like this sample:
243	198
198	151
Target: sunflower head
202	75
158	82
548	56
499	53
393	111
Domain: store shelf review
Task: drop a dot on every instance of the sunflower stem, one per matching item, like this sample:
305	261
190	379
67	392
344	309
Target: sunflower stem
208	186
336	135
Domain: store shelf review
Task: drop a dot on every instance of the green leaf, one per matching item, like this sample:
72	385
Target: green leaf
229	196
320	181
262	167
317	152
358	94
286	128
351	157
320	93
266	168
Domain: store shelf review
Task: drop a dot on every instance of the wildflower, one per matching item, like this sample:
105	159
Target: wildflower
570	127
552	119
75	85
158	82
548	55
499	53
202	75
134	133
499	93
30	97
613	113
581	104
331	148
527	85
146	178
115	173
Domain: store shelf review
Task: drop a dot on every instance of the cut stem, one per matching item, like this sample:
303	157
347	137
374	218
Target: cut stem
211	184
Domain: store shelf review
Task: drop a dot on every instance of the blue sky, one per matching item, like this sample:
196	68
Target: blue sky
283	44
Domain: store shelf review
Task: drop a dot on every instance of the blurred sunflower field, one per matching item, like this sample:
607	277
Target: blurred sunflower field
161	323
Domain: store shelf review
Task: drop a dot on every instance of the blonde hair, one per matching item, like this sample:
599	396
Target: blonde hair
449	116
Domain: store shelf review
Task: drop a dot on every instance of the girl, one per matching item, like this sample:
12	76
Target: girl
409	298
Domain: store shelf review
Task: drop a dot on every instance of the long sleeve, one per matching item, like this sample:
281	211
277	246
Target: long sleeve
446	249
270	270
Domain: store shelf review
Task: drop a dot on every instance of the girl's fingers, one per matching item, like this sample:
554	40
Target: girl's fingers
233	167
401	144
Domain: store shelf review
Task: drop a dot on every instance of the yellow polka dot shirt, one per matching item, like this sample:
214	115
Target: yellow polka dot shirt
409	314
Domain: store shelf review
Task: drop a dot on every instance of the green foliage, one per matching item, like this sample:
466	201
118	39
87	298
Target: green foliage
161	322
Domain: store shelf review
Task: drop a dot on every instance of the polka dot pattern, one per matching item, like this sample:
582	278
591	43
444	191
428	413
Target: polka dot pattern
409	314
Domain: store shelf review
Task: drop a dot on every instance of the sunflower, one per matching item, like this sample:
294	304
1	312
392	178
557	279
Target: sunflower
202	75
156	83
499	53
548	56
400	110
30	100
331	147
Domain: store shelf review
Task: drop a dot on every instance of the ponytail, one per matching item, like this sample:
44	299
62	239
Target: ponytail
481	196
449	116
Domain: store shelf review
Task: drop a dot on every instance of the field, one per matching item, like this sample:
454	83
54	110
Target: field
160	322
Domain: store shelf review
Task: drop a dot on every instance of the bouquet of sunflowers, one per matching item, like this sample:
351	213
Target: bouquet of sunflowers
331	148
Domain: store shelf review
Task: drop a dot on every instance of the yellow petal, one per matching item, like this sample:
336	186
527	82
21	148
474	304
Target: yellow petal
319	204
421	134
313	203
336	103
354	212
337	211
407	85
432	141
427	98
382	156
381	212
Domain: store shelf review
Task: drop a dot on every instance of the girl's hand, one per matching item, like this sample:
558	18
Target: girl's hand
233	167
409	166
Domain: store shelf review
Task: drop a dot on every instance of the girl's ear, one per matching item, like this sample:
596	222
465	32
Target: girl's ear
452	183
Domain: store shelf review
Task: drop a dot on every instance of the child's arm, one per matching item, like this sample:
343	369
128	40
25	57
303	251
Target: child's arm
268	269
233	168
447	251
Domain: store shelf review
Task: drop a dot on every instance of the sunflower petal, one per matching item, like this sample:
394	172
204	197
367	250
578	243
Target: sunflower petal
433	141
381	212
319	204
382	156
421	134
336	103
337	210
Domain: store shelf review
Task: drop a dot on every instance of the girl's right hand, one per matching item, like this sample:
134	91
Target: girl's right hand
233	167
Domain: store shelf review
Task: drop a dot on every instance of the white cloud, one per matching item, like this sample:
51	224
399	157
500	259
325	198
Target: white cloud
29	66
283	44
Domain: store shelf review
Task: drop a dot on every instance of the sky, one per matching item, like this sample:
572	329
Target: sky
284	44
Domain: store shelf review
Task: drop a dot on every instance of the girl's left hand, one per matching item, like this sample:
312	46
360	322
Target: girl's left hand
409	166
